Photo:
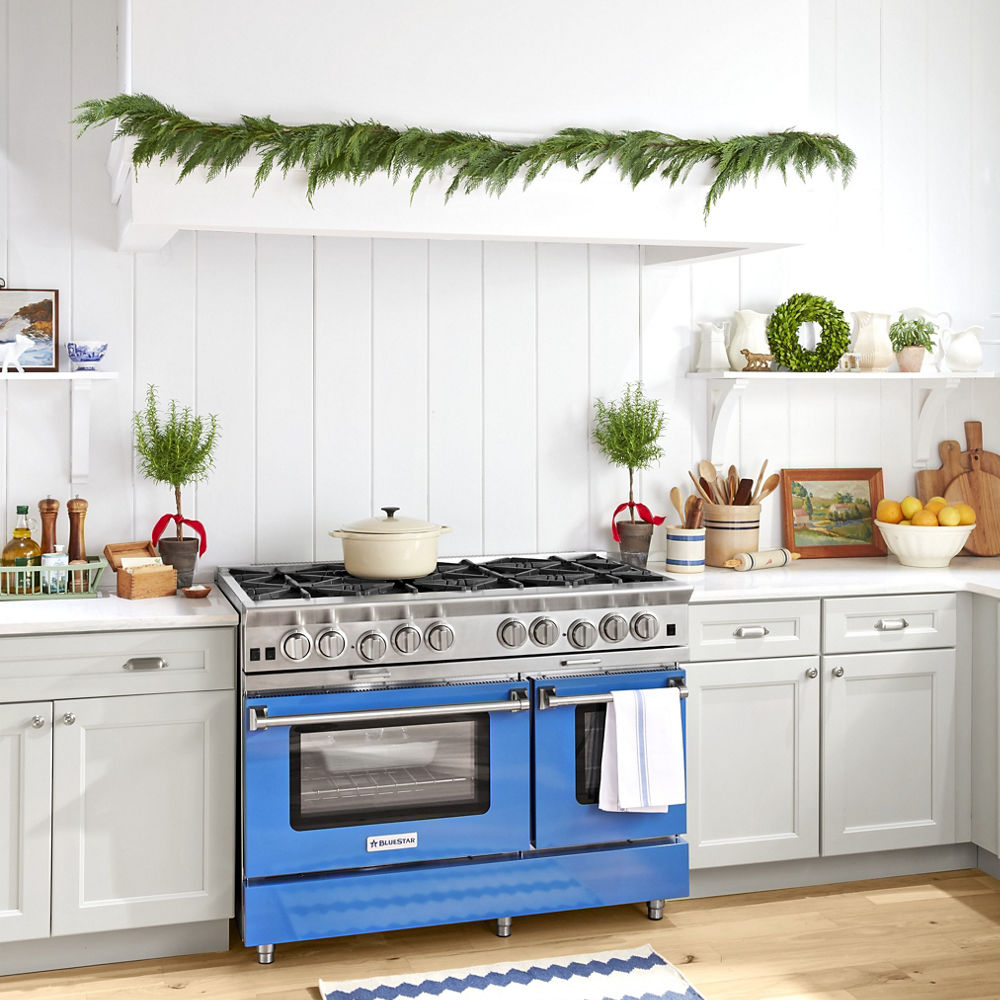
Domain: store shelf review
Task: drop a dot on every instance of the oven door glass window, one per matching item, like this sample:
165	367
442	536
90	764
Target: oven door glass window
355	774
589	749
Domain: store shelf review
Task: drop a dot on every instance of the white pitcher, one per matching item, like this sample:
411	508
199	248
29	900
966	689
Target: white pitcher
749	333
712	355
872	344
962	350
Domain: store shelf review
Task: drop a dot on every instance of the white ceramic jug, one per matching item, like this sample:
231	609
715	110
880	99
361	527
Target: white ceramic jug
749	333
712	355
962	350
871	343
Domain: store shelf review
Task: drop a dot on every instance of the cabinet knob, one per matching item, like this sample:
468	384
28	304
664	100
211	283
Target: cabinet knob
838	671
812	673
37	722
69	718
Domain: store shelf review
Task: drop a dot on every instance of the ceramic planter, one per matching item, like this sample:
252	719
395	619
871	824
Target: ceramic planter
635	538
910	359
182	554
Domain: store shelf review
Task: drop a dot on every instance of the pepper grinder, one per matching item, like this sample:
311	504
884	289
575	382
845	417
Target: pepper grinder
77	512
48	508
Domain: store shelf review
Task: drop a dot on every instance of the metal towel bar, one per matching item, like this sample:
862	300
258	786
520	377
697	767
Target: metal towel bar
547	698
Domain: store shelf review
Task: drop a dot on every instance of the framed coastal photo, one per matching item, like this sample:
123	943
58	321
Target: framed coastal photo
831	512
29	329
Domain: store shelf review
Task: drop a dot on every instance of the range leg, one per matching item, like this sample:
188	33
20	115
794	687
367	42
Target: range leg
655	909
503	926
265	954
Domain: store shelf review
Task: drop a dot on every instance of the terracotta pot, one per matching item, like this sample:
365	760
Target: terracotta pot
390	547
182	554
910	359
634	545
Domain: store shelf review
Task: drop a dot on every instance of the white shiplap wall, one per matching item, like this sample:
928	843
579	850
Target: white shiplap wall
456	379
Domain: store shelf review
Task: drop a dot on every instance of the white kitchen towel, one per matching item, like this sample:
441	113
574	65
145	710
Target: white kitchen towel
642	764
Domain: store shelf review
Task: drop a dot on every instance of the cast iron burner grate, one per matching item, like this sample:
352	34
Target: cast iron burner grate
317	580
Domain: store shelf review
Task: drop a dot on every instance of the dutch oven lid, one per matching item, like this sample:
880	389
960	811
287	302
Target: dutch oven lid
392	525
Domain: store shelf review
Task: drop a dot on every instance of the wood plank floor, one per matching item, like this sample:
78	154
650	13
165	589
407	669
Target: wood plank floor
920	936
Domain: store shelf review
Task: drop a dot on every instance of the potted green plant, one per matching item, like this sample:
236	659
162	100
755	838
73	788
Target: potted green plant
176	451
628	431
910	339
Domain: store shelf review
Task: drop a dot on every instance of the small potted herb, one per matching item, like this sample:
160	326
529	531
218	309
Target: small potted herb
910	339
628	431
176	451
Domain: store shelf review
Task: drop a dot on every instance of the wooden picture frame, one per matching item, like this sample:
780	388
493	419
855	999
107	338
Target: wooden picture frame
29	314
830	513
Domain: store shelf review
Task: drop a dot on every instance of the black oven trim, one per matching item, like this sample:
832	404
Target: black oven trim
477	806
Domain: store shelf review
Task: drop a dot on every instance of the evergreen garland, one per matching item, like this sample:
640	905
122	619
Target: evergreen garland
355	150
783	334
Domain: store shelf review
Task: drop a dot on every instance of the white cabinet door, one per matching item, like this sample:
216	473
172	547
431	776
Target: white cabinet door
889	747
142	811
753	761
25	830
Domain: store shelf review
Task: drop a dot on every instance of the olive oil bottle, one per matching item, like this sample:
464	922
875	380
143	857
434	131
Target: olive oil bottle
21	550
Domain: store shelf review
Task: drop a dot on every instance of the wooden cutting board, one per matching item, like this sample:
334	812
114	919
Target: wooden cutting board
933	482
981	490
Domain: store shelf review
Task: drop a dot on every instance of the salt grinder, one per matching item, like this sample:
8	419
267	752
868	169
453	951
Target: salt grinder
48	508
77	512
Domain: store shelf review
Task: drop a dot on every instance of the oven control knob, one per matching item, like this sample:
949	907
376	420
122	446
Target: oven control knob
331	643
645	626
406	639
440	637
543	631
582	634
371	646
512	633
614	628
296	645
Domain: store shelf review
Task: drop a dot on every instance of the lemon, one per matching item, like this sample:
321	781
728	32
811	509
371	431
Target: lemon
910	506
949	516
966	514
935	504
889	511
925	518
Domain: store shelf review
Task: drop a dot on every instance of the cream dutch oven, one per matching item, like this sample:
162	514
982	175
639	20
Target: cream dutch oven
390	547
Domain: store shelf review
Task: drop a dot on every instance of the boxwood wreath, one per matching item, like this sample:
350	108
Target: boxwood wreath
354	151
783	334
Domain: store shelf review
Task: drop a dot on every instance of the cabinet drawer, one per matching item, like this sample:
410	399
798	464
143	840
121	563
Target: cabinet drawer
117	663
753	631
899	621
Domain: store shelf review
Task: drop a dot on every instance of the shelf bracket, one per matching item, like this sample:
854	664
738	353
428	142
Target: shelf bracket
928	419
722	400
79	469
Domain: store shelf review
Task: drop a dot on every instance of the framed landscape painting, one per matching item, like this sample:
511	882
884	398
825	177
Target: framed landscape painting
831	512
29	329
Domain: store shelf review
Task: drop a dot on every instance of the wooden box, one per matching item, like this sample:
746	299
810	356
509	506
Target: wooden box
140	581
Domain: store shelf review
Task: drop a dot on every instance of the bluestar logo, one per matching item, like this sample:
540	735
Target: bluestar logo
391	842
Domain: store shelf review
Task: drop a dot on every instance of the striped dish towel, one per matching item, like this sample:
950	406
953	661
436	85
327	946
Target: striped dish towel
642	767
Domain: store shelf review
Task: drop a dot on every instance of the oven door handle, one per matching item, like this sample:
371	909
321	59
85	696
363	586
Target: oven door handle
547	697
517	701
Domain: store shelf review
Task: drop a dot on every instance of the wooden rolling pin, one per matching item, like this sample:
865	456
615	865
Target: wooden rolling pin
769	559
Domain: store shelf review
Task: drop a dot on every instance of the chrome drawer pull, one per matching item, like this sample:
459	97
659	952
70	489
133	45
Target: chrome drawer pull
547	698
259	721
891	624
145	663
751	632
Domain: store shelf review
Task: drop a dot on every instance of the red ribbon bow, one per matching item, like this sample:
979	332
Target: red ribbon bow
198	527
641	509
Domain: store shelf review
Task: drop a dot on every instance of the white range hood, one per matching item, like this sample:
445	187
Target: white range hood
693	67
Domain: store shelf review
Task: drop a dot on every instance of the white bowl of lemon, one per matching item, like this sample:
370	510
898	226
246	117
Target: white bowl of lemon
927	535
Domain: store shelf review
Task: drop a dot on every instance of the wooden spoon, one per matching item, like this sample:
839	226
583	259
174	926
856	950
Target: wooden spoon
722	489
675	499
770	485
743	492
689	507
760	479
709	472
734	483
698	487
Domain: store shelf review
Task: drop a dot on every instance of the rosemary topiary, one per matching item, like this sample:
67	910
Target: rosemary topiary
783	334
176	452
628	432
354	151
915	332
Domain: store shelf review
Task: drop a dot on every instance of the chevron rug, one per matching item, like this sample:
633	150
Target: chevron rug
635	974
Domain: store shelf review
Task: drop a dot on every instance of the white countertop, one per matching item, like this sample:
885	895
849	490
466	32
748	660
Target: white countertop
841	577
108	612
